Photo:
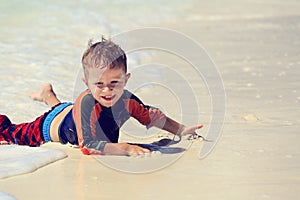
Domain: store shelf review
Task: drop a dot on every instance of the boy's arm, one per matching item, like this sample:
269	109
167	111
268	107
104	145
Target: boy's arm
151	116
176	128
172	126
97	147
124	149
167	124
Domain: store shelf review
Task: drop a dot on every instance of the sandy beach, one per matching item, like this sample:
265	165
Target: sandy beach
256	47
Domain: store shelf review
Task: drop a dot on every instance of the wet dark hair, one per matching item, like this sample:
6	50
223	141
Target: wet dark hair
103	54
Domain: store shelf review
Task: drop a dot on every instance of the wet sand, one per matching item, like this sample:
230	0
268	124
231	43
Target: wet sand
257	156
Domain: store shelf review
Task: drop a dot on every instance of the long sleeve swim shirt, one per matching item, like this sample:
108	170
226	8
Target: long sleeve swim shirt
96	124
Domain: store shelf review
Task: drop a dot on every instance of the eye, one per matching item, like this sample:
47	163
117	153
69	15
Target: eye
114	82
99	84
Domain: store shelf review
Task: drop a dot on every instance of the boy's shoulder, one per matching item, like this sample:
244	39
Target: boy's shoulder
85	97
85	94
129	95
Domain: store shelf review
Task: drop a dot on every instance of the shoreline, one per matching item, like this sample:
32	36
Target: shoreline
257	156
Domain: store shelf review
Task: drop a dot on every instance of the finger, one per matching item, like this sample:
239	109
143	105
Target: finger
191	130
138	151
194	128
199	126
152	110
144	150
134	153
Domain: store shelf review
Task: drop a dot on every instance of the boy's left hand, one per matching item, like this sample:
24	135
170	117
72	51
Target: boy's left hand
190	129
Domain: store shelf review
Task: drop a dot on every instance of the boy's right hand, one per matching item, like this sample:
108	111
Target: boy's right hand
124	149
134	150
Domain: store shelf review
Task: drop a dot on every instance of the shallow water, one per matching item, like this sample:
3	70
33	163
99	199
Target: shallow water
43	41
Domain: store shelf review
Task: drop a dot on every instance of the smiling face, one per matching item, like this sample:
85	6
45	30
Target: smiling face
105	66
107	84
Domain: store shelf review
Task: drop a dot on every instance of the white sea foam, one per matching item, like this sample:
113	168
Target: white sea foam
16	160
5	196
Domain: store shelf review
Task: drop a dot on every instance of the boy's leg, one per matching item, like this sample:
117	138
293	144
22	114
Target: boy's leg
29	133
46	95
22	134
4	124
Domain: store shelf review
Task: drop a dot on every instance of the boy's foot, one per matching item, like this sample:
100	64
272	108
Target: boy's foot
46	95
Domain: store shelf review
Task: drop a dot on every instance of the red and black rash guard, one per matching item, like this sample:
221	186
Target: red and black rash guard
96	123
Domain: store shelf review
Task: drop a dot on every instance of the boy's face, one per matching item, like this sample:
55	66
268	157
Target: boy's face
107	85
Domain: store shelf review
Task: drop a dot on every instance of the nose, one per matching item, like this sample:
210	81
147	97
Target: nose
106	88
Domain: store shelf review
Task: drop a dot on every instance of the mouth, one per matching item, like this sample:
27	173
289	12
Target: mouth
108	97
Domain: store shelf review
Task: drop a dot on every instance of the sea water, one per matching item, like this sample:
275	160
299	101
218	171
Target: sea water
43	41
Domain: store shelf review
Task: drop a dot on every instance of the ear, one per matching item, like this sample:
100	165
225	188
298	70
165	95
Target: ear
127	76
85	82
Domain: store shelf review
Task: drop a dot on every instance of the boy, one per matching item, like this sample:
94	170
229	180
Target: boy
93	122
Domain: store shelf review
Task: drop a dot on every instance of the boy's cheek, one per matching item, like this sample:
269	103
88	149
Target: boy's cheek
95	93
94	89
